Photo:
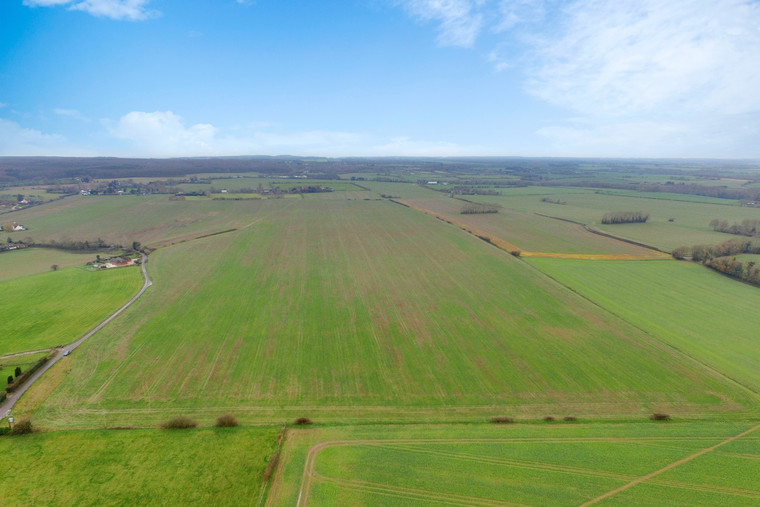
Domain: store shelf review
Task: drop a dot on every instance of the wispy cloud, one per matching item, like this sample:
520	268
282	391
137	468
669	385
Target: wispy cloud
16	140
642	76
622	58
727	136
71	113
131	10
3	104
166	134
460	21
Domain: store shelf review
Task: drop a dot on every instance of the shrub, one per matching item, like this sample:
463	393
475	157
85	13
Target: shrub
303	421
570	418
179	423
516	253
502	420
549	418
658	416
226	421
22	427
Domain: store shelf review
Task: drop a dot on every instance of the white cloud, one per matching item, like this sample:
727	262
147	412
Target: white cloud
460	21
165	134
131	10
2	104
16	140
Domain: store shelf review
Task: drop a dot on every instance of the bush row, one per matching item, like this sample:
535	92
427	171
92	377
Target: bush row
625	217
19	381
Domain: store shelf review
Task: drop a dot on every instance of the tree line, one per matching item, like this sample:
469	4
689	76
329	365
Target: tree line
722	258
748	227
474	208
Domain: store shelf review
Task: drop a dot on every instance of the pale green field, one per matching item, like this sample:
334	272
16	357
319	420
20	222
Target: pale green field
154	220
691	215
705	315
536	464
222	466
56	308
528	231
366	310
32	261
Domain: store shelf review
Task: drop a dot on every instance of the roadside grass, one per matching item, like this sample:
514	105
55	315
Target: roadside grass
364	311
9	363
207	465
687	306
56	308
559	464
32	261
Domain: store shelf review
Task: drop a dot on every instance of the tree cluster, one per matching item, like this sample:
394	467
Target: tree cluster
748	227
625	217
474	208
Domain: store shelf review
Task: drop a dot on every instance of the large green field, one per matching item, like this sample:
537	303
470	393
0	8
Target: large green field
58	307
223	466
367	310
400	336
691	308
523	464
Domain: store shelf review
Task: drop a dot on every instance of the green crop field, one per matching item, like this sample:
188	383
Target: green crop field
691	214
154	220
56	308
366	310
529	231
31	261
537	464
221	466
706	315
400	336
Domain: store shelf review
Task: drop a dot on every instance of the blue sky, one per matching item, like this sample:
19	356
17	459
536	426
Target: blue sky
161	78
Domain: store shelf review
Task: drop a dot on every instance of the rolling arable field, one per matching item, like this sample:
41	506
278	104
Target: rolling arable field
396	328
366	311
66	303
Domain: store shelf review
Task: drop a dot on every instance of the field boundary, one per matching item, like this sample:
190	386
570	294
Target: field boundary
309	473
514	249
669	467
605	234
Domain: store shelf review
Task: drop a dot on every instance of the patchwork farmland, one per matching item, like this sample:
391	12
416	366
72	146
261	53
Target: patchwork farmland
379	313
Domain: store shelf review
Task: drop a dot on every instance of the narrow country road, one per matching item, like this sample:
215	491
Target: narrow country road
6	407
